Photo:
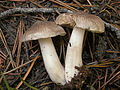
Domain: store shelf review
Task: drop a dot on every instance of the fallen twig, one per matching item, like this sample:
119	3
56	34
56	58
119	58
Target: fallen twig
112	28
32	10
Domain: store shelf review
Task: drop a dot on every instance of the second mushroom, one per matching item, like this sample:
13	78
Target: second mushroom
80	22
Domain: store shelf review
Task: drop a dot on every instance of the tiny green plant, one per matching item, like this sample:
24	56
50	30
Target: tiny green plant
6	83
28	84
10	88
1	87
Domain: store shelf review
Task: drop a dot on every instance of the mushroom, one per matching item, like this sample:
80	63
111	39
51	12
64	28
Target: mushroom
80	22
43	31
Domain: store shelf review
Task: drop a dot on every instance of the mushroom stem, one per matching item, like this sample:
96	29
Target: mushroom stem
74	53
51	61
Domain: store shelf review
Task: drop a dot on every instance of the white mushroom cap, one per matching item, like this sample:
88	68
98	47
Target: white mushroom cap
43	30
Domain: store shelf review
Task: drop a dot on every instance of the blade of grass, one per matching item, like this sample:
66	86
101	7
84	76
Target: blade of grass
5	80
1	87
5	70
28	84
6	83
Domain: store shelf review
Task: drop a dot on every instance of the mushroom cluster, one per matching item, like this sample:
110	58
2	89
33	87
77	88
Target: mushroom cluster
43	31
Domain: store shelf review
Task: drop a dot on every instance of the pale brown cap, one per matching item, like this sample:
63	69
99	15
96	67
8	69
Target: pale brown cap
65	19
89	22
82	20
43	30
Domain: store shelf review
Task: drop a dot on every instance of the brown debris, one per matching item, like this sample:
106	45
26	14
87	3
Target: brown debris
78	81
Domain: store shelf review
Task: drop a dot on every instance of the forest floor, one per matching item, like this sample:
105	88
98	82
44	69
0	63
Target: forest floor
101	52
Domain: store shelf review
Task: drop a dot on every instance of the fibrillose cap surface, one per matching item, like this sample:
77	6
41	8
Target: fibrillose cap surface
82	20
43	30
89	22
65	19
